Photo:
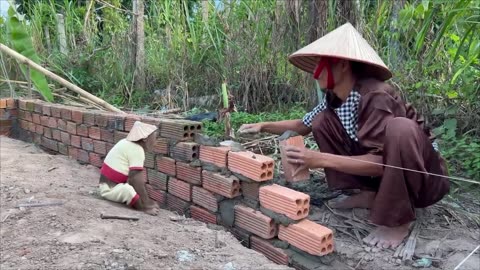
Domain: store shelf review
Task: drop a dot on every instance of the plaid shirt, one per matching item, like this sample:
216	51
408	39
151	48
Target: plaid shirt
347	113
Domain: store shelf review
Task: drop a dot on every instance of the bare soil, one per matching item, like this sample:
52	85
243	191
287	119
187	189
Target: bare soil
73	236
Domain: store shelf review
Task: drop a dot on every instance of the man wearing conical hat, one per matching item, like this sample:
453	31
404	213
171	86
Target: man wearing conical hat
121	178
361	123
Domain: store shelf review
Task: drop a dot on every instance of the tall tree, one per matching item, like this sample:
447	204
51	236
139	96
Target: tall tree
138	10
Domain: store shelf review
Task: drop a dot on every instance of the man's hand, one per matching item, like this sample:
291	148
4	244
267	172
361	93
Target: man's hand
304	158
250	128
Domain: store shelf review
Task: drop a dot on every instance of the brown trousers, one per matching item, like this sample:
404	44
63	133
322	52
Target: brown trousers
398	191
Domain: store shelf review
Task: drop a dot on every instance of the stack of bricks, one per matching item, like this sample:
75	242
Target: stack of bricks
210	184
8	116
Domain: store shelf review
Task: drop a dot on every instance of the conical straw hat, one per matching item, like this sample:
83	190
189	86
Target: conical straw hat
140	131
345	42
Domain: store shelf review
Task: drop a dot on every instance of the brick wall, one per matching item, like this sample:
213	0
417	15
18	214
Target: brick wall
220	194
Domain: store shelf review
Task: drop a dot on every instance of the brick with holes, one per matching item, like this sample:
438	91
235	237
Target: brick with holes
66	113
275	254
161	146
77	116
308	236
188	173
107	135
185	151
205	198
166	165
89	118
100	147
286	201
214	155
36	118
157	195
256	167
220	184
119	135
255	222
202	215
157	179
46	110
149	160
177	205
180	189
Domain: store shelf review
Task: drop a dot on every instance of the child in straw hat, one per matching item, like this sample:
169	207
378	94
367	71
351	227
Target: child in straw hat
121	178
361	124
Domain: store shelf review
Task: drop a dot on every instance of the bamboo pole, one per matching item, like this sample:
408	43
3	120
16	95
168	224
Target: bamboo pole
51	75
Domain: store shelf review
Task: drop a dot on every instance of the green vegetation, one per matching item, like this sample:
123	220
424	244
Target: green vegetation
193	46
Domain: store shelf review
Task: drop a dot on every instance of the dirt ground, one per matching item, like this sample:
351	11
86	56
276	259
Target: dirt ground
72	235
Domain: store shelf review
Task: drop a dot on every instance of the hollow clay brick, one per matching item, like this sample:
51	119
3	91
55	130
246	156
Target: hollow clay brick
161	146
50	144
107	135
180	130
76	141
225	186
119	135
214	155
242	235
157	195
47	132
187	173
283	200
308	236
95	159
36	118
130	120
62	149
100	147
77	116
149	160
166	165
205	198
151	120
256	167
71	128
82	130
180	189
87	144
157	179
289	168
65	137
276	255
202	215
56	134
89	118
56	111
177	205
255	222
250	190
185	151
94	133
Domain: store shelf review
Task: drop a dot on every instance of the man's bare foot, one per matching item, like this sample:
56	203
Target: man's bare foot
364	199
387	237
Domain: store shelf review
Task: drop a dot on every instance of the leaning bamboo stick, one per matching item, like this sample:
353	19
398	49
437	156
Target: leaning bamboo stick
69	85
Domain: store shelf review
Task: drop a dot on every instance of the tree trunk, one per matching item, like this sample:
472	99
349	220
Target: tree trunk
318	18
62	37
139	78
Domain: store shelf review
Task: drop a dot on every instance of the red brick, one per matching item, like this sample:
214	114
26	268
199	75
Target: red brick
23	124
66	113
109	146
161	146
225	186
276	255
187	173
56	111
52	122
27	116
151	120
180	130
308	236
47	132
214	155
89	118
250	190
185	151
94	133
87	144
22	104
44	120
83	156
72	128
38	107
107	135
76	141
166	165
32	126
56	134
116	122
119	135
82	130
149	160
205	198
46	110
73	152
242	236
180	189
157	195
77	116
255	222
177	205
62	149
100	147
62	124
202	215
3	103
130	120
157	179
65	137
37	139
30	106
13	113
95	159
50	144
286	201
289	168
11	103
36	118
256	167
101	119
39	129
